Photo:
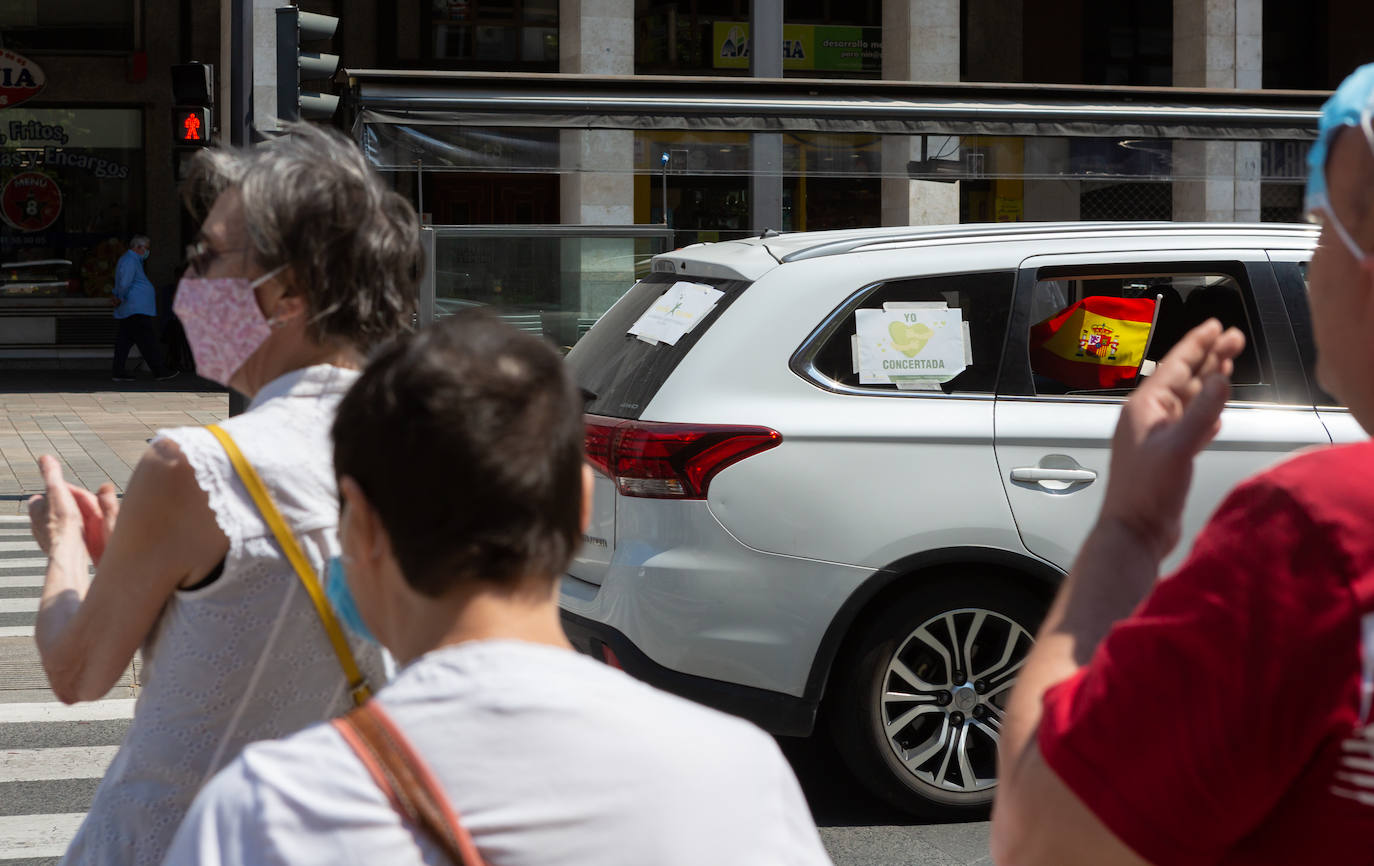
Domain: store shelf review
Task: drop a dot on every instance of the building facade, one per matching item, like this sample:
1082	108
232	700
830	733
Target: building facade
671	115
554	145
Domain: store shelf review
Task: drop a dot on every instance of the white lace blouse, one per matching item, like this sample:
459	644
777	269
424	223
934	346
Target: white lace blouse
244	658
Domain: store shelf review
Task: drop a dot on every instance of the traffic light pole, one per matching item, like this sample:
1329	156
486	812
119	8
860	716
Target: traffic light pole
240	121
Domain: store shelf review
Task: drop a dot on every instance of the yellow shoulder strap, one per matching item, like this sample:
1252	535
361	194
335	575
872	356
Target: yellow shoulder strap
357	683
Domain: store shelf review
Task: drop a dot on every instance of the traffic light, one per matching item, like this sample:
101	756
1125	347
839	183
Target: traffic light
193	93
295	65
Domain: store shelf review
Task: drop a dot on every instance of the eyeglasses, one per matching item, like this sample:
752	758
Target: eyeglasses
200	255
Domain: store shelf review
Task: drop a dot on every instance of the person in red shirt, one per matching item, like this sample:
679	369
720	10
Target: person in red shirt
1222	715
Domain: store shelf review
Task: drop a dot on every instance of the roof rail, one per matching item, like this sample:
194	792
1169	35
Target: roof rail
994	230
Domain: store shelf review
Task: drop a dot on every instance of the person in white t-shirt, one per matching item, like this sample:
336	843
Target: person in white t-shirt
460	464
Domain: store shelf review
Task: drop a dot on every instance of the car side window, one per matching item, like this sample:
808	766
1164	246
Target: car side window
1102	332
1294	277
978	304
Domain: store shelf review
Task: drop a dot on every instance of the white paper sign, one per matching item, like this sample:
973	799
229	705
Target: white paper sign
675	313
910	346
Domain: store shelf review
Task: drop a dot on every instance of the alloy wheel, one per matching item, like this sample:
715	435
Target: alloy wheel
943	697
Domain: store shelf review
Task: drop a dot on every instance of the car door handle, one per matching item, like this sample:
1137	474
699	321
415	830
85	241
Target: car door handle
1036	474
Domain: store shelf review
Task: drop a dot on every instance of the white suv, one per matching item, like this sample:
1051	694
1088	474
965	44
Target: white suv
792	527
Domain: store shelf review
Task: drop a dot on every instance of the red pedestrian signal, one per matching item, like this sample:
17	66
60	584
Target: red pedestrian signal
191	127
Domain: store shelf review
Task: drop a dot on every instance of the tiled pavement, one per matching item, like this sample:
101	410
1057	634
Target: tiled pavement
97	428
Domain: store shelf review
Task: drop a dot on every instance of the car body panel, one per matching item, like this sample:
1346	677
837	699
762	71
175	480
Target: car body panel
1054	522
694	599
1074	432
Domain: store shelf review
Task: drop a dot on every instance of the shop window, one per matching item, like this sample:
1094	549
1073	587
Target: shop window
1130	42
68	26
71	196
493	34
1102	334
1134	200
821	38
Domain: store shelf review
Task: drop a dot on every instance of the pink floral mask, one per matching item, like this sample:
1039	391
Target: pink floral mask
222	321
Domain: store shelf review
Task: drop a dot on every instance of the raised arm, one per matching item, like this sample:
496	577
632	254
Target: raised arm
1168	420
163	537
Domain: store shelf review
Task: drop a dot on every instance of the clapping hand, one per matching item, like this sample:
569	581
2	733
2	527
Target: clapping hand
66	510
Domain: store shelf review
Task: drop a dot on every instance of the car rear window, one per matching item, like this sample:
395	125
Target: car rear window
620	372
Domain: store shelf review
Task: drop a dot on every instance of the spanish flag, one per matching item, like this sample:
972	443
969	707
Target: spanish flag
1098	342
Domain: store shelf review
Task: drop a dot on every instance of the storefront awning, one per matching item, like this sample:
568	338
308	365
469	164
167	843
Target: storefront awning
837	106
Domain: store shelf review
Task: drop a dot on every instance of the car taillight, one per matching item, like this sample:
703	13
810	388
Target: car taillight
669	461
598	444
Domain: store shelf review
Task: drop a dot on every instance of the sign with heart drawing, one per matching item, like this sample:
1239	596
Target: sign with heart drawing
911	346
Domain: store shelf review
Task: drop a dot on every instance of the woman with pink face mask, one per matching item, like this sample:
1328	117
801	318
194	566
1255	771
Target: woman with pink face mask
304	262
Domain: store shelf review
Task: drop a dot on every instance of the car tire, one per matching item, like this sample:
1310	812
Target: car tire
939	758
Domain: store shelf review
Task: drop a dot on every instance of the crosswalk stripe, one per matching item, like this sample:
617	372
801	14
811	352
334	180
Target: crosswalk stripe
53	711
47	765
18	545
19	605
20	580
36	562
33	836
16	631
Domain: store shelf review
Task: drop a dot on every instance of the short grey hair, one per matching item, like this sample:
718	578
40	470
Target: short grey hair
311	201
140	241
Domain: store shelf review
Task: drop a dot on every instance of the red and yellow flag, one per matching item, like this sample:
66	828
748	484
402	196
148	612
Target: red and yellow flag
1098	342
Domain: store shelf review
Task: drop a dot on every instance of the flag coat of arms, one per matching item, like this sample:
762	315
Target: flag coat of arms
1098	342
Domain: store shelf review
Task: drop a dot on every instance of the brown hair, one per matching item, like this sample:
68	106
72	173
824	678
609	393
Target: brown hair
467	439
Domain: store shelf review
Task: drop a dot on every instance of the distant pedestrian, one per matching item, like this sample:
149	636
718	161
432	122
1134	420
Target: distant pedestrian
136	312
304	263
460	463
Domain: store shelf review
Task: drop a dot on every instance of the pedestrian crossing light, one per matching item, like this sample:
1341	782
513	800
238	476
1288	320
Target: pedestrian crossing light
193	98
295	65
192	127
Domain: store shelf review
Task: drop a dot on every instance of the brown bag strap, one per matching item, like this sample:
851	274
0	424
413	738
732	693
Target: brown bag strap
406	780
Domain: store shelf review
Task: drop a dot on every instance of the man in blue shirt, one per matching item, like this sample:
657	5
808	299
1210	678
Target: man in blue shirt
136	311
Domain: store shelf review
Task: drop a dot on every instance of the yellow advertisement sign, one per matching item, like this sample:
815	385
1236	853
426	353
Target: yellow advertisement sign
804	46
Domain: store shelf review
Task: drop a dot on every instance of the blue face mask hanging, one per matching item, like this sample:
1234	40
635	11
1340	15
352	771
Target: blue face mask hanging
341	598
1350	105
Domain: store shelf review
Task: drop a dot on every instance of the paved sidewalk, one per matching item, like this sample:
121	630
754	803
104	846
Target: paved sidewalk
96	427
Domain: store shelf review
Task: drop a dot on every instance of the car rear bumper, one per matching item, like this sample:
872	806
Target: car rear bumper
775	712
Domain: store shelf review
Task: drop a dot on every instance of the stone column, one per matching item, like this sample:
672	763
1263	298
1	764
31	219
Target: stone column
765	148
1217	43
265	64
920	43
596	187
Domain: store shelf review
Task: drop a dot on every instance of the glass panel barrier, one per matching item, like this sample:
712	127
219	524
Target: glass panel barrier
555	281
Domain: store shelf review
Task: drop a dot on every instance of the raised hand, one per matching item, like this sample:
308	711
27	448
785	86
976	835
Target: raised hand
1166	422
54	514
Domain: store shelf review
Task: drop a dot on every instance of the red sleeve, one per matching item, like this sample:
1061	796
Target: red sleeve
1196	712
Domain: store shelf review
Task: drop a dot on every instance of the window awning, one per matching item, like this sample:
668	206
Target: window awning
417	98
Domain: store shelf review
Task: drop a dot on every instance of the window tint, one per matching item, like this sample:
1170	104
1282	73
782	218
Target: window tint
621	372
1090	332
983	301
